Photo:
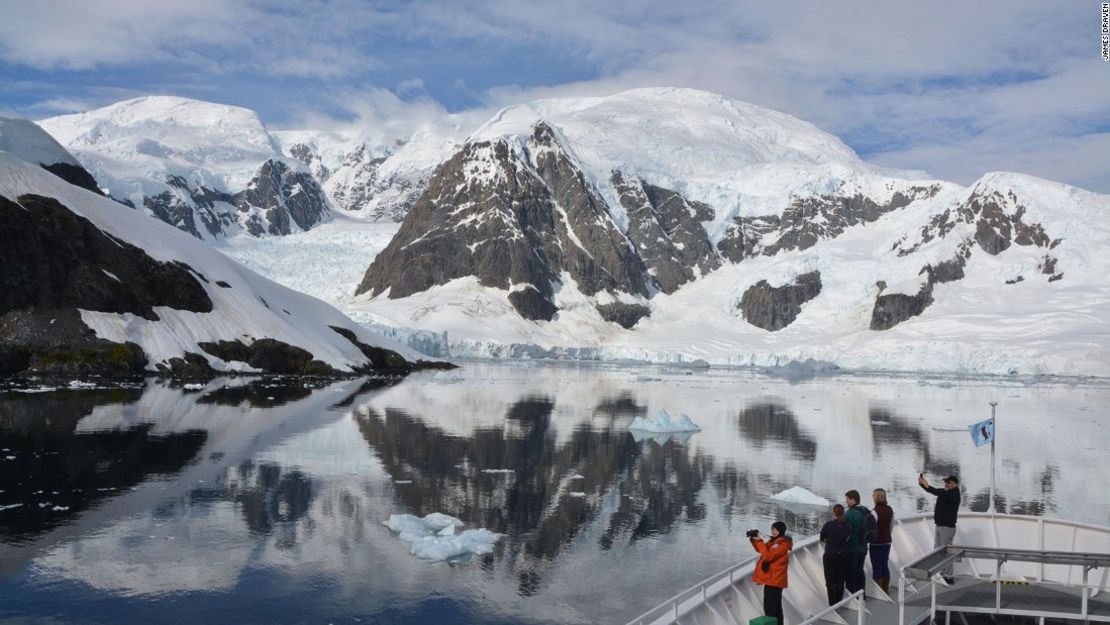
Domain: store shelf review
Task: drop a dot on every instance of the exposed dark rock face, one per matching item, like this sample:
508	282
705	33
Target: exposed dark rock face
75	175
1048	268
269	356
52	258
310	159
56	341
532	305
184	206
509	217
999	222
625	315
388	360
774	308
228	351
894	308
666	231
191	367
996	228
949	270
276	199
53	262
279	196
808	220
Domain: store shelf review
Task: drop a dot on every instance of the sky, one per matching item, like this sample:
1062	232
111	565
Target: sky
956	89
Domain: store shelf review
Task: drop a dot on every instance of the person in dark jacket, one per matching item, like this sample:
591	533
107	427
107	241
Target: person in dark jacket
944	513
856	547
771	570
880	549
835	534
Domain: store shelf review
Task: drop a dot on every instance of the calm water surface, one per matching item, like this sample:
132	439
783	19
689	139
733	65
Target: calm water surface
252	502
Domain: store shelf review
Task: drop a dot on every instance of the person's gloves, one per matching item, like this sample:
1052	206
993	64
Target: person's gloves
765	565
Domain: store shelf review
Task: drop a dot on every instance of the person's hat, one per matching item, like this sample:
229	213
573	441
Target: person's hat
953	479
780	526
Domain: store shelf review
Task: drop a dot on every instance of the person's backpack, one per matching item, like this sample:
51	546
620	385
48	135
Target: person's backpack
868	529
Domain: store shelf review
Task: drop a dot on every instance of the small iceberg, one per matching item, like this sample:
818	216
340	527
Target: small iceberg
799	495
435	537
663	424
661	438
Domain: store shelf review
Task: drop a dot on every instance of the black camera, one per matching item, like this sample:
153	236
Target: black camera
752	533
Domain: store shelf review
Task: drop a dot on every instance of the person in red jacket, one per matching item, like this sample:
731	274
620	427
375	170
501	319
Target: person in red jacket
774	559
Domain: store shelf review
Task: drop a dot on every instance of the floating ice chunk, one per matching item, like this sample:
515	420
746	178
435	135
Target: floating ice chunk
498	470
577	476
447	377
576	493
661	438
76	384
662	423
800	495
10	506
37	389
434	537
193	387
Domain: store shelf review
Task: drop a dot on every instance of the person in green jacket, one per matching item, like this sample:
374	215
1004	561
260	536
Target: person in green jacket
856	548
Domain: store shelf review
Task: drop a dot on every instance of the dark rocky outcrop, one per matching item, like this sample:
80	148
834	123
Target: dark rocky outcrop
183	206
622	314
665	229
52	258
382	359
279	196
269	356
57	342
192	366
894	308
808	220
509	215
996	228
774	308
532	305
275	200
75	175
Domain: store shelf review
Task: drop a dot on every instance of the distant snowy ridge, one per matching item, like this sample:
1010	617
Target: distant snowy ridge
669	225
211	170
194	310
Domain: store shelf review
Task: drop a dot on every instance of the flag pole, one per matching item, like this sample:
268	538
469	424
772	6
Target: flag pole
994	435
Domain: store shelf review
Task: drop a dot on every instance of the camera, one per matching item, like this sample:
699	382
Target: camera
752	533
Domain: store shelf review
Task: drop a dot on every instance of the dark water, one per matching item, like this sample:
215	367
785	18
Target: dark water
257	502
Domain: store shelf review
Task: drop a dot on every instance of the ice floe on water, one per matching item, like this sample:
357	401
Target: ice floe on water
662	423
799	495
436	537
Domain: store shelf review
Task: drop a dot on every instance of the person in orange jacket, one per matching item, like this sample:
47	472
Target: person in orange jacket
774	559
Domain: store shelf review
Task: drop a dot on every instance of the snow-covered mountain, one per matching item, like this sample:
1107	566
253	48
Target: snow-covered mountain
672	224
371	175
209	169
92	285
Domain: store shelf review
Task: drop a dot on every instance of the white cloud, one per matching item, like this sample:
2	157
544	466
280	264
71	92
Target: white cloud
952	88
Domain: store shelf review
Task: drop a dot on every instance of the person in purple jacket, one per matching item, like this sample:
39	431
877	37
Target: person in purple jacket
880	547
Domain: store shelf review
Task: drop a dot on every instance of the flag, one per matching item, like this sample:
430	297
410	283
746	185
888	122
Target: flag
982	433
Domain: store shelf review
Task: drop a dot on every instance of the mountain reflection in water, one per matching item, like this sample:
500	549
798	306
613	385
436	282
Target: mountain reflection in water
260	501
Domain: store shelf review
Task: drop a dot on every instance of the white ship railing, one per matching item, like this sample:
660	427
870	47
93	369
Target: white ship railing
730	597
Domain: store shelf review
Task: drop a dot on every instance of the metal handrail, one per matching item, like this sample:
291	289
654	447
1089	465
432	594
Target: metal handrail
959	552
707	588
953	553
672	606
856	596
